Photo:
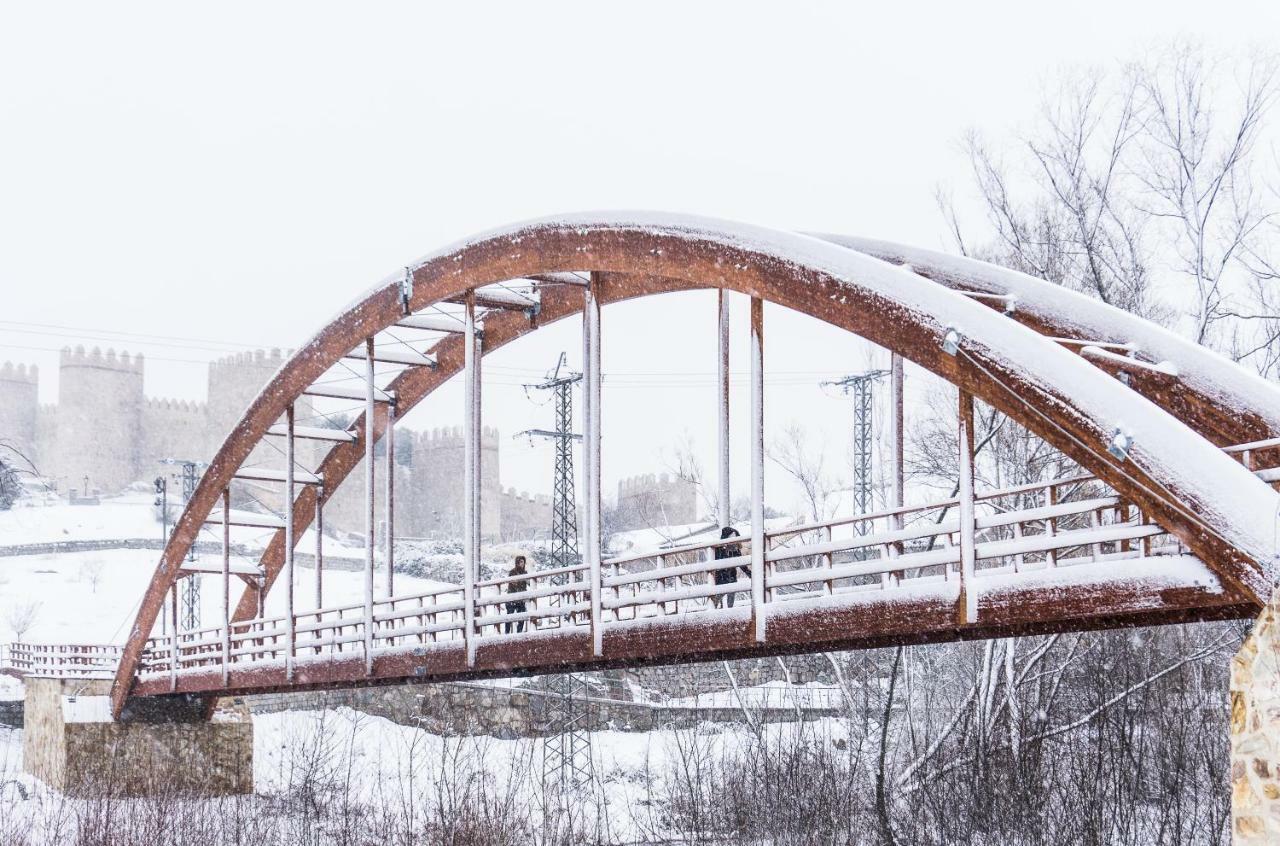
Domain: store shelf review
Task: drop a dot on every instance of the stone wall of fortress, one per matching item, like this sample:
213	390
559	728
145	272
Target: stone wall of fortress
104	431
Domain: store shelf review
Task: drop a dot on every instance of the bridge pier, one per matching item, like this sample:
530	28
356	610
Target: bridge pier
1255	731
162	746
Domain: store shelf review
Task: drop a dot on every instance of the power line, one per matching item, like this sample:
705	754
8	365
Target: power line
92	330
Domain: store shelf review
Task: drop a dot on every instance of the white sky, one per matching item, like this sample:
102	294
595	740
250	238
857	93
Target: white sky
233	175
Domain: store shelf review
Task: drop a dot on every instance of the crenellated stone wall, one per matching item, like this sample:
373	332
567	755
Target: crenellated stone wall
525	516
656	500
104	433
18	406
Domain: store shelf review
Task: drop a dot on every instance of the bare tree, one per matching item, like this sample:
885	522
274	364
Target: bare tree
1196	164
1078	228
1140	180
21	616
91	572
806	464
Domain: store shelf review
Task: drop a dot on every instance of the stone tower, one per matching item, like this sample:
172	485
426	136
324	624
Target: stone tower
99	420
647	500
437	482
18	408
234	382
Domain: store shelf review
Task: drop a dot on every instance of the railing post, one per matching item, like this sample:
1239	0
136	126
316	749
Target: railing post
226	584
390	497
757	468
722	362
1051	523
173	615
290	621
370	525
897	476
591	364
319	551
470	479
968	610
828	561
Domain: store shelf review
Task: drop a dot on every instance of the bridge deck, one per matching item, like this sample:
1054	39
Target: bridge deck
1106	594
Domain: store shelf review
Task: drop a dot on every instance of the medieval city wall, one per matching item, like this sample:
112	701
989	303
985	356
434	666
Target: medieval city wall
104	431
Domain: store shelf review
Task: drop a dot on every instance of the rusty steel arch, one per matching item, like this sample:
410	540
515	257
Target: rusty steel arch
1174	471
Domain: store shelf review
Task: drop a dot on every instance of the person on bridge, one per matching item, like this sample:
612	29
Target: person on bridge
728	575
517	585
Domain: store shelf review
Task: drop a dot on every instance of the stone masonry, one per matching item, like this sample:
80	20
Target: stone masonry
468	709
71	744
1255	732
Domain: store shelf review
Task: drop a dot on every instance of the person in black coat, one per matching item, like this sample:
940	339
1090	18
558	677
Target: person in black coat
517	585
726	575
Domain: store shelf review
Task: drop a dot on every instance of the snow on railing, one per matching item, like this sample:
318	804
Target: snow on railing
60	660
1035	526
1040	525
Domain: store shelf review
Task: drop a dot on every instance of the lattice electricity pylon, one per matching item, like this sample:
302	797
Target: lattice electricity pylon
566	751
861	387
189	614
566	756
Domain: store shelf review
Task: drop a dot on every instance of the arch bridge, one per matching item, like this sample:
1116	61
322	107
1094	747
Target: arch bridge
1170	516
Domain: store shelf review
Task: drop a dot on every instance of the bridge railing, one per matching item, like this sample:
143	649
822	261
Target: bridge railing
1033	526
60	660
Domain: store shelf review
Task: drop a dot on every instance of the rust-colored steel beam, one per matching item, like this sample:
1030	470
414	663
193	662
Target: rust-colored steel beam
643	258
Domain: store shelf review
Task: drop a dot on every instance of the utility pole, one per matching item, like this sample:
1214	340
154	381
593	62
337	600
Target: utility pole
190	475
566	755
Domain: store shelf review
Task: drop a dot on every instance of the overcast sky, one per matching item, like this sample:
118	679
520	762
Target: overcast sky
228	177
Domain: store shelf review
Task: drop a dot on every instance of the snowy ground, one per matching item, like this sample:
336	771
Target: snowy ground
75	609
381	763
130	515
91	597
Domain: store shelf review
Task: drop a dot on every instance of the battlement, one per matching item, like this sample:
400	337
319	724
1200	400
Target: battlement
26	374
96	358
255	358
450	437
647	482
526	497
165	404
